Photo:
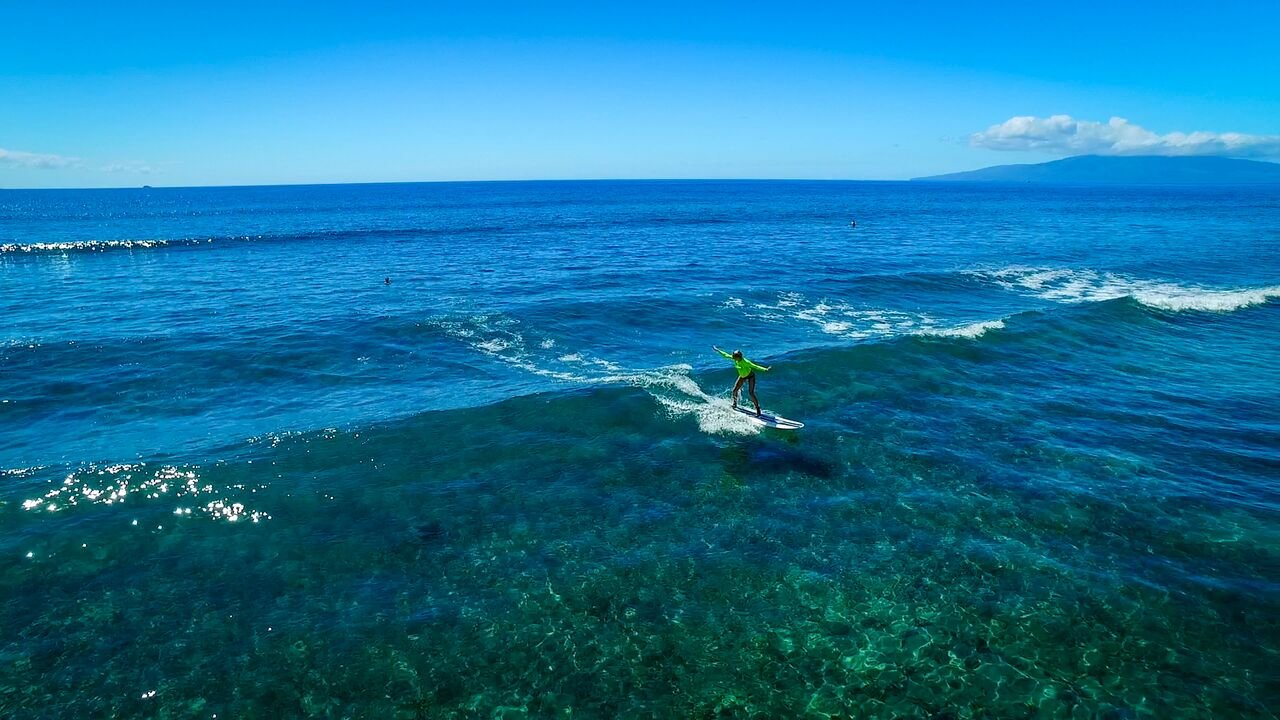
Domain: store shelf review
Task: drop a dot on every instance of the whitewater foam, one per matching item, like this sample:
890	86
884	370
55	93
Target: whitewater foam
972	330
503	338
680	395
1067	285
500	338
838	318
860	323
673	387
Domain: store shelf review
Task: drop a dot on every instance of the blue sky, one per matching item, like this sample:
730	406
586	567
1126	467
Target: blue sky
130	93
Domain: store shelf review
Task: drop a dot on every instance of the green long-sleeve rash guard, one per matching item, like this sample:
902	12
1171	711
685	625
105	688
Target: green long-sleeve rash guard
743	366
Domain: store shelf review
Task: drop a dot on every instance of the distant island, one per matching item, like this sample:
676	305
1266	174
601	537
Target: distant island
1136	170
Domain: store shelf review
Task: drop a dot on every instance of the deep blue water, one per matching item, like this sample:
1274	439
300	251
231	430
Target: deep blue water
241	474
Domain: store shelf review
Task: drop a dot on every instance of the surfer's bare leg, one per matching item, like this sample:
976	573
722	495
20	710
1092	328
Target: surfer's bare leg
751	389
736	387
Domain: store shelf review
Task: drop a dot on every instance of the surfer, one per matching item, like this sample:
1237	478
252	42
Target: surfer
746	373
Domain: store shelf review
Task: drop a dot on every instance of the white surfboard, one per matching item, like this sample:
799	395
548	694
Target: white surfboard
768	419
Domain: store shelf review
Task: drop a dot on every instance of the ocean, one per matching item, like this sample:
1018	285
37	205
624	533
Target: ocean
465	450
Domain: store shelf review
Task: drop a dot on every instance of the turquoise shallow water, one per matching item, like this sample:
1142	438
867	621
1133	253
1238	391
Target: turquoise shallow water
241	475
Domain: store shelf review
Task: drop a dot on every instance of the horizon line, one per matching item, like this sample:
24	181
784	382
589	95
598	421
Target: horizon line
453	182
145	186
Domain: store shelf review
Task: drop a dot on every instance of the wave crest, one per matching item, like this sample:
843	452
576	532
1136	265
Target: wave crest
972	330
1067	285
842	319
506	340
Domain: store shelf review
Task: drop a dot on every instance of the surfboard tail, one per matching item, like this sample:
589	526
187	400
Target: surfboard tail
768	419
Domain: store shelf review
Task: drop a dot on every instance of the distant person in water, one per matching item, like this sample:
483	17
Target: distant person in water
746	373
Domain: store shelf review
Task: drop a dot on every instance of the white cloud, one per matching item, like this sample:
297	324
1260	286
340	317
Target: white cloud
35	160
128	167
1064	135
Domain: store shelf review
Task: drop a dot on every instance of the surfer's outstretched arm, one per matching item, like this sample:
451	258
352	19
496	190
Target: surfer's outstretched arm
754	366
723	353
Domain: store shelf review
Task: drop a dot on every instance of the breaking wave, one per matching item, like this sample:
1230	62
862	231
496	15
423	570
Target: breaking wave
1066	285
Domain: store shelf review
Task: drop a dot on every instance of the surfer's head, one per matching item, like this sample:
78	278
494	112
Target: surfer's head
737	354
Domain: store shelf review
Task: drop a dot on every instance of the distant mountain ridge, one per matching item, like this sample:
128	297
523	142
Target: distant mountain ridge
1132	170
